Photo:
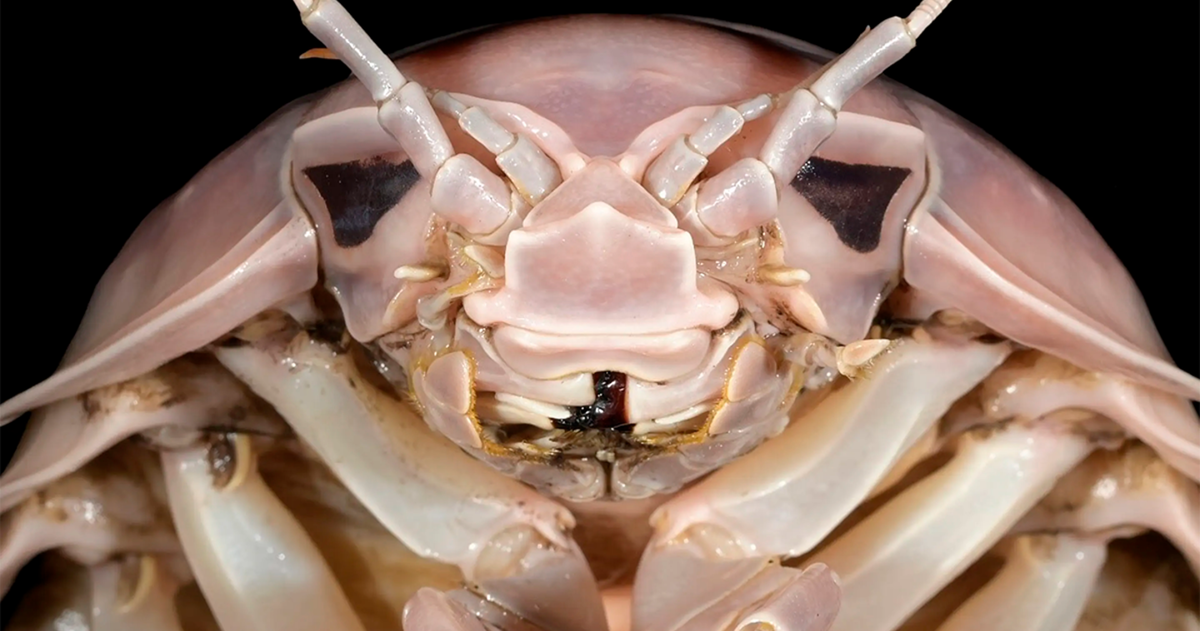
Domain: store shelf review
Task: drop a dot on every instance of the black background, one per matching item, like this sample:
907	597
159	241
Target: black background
110	108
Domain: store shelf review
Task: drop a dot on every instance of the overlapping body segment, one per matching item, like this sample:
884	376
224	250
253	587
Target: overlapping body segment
771	320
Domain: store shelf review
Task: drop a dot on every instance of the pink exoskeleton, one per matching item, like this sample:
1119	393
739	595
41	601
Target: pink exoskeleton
643	324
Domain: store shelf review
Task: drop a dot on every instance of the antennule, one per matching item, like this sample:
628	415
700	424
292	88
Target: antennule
329	21
810	116
924	15
404	110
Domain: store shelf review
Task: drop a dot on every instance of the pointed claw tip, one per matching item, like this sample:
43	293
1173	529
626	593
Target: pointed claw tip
854	357
318	53
417	273
146	577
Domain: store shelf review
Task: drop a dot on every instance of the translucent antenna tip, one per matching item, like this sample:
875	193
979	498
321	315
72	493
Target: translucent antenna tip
924	15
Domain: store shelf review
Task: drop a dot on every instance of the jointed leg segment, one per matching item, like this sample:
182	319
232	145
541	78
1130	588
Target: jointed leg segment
510	542
257	567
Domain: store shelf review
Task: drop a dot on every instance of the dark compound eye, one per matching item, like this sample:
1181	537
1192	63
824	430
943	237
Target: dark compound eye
854	198
359	194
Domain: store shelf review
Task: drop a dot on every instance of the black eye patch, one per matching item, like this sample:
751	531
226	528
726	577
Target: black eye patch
853	198
359	194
